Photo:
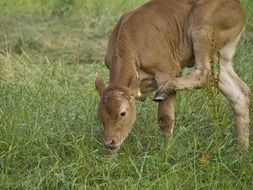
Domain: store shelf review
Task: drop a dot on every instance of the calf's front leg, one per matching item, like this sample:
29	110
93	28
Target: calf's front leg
198	78
166	114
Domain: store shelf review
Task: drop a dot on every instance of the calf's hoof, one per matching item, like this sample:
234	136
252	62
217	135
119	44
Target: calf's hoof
160	97
167	132
166	125
244	143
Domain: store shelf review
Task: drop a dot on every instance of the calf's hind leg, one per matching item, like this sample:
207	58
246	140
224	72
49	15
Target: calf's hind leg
166	114
236	91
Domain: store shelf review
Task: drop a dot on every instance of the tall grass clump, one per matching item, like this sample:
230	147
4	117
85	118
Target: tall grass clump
212	89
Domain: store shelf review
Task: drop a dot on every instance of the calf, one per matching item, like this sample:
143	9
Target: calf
151	45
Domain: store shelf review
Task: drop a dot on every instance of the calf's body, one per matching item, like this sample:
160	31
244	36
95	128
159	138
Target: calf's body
151	45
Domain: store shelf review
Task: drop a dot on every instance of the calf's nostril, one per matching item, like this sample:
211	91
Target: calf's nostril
109	142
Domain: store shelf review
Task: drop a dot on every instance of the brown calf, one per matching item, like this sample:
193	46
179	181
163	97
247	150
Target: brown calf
151	45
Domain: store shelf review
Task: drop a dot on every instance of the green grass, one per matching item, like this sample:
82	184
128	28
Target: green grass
50	136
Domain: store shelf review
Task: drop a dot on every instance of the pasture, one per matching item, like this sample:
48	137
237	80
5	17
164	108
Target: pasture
50	135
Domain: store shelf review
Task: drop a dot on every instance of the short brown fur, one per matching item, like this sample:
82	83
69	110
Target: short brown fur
147	51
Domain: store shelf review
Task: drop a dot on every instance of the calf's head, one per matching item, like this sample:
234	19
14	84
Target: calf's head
117	112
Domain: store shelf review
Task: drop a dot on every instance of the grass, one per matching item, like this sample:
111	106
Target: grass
50	136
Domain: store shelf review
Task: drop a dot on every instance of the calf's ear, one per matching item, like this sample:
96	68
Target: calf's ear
134	83
100	86
134	86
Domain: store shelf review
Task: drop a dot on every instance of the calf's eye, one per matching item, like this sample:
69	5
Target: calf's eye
123	114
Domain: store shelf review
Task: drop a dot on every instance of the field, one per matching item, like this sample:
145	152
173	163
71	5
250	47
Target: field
50	135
